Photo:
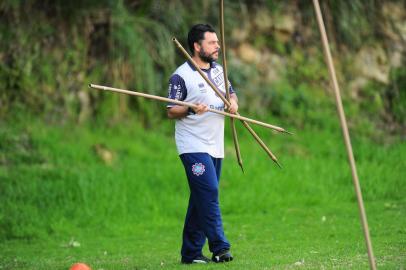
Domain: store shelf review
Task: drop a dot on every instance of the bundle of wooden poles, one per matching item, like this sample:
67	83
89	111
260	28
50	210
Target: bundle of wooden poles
226	99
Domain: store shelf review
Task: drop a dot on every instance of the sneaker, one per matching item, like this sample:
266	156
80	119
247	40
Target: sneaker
199	259
223	256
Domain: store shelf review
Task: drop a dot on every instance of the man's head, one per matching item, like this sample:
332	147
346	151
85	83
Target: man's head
203	42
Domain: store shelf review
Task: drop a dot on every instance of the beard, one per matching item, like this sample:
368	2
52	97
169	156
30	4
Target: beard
206	57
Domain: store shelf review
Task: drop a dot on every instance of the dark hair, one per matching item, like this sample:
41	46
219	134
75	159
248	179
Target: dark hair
196	34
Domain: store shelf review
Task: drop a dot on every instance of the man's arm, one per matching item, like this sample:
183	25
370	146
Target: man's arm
234	103
177	111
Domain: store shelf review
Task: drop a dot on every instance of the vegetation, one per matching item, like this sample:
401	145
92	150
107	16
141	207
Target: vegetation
51	50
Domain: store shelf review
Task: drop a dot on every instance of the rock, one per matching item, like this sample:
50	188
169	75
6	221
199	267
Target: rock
372	63
395	20
248	54
240	34
263	20
272	66
103	153
396	58
356	86
284	28
394	28
285	23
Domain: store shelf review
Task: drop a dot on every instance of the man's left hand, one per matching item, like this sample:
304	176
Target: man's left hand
233	106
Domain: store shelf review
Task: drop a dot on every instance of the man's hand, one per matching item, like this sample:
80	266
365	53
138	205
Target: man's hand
233	106
201	108
178	111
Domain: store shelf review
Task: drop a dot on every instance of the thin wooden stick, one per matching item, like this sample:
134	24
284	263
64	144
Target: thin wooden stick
226	85
346	134
182	103
271	155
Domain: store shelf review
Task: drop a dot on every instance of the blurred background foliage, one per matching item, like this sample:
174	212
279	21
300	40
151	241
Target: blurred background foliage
51	50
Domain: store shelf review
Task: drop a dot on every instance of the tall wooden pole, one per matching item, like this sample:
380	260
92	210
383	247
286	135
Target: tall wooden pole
346	135
226	85
183	103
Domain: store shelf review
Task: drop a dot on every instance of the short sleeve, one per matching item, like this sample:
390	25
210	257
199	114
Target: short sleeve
177	89
232	91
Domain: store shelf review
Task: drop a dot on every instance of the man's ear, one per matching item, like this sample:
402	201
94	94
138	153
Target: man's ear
197	46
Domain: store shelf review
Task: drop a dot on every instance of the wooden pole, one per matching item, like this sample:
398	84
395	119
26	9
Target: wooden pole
226	102
226	85
182	103
346	135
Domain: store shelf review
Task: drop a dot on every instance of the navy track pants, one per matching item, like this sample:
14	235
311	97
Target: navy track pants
203	217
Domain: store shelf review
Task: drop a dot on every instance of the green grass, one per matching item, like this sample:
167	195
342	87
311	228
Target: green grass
128	213
260	241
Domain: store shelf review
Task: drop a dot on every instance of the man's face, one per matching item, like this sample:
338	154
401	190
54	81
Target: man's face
208	49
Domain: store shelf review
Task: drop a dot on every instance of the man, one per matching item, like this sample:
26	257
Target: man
199	139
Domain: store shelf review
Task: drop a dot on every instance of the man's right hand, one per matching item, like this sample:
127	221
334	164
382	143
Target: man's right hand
200	109
177	111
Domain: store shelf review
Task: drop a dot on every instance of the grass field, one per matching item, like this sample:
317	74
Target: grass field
115	197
